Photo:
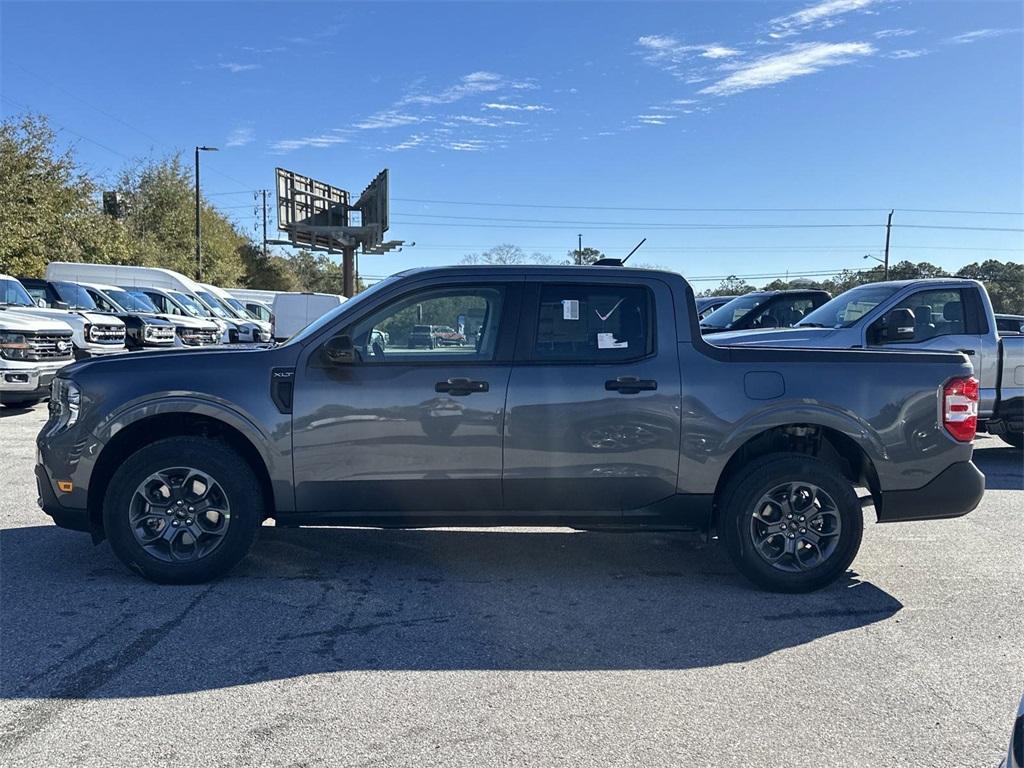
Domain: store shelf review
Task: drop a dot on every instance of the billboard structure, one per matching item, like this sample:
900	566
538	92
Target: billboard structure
318	216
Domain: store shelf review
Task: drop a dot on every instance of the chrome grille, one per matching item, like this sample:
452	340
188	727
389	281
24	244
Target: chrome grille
50	346
197	338
107	334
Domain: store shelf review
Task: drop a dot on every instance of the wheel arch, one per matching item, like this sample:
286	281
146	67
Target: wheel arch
146	430
823	442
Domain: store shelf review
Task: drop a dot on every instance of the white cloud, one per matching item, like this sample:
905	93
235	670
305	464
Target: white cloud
468	85
517	107
413	141
797	60
979	34
234	67
318	142
822	15
469	145
388	119
670	54
907	53
884	33
240	136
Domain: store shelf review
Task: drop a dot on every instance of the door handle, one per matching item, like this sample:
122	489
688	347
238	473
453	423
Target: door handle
629	385
461	386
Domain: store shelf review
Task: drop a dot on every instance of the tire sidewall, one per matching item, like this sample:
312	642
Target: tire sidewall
761	476
225	466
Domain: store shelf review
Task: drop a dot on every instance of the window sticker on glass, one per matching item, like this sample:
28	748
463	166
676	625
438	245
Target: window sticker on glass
607	341
570	309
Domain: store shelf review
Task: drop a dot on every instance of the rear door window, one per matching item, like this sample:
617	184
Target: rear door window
593	323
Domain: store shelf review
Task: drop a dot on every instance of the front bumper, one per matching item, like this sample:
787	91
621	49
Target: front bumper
96	350
66	517
952	493
26	382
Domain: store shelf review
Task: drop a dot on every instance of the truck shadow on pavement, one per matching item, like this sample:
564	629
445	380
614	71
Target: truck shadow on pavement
1003	468
77	625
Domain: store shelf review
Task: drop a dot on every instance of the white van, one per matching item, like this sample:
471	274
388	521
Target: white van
126	276
294	311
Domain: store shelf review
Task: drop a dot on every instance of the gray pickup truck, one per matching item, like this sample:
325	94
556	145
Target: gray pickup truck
939	314
588	399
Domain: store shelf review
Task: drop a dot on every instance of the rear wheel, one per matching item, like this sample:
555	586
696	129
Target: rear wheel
791	523
183	510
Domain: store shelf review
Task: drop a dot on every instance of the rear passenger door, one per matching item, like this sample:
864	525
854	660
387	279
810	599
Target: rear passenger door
593	419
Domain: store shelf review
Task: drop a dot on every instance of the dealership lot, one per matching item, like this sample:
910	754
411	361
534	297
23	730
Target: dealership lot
501	647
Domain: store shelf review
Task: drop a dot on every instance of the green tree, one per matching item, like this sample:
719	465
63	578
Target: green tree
161	220
268	273
730	286
317	272
49	209
586	256
1004	281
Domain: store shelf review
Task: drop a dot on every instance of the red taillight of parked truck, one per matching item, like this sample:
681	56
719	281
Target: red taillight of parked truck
960	408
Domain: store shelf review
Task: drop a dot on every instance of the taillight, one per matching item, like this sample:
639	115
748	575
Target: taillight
960	408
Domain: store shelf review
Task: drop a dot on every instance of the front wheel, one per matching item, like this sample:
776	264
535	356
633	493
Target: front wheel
791	523
183	510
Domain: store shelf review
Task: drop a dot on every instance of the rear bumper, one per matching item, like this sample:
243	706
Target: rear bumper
952	493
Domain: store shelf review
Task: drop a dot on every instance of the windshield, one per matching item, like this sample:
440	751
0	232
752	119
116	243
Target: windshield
143	302
130	301
847	308
730	312
315	327
214	304
240	310
13	294
75	296
190	305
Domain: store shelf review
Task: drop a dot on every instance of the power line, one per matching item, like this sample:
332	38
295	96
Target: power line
701	210
691	247
669	227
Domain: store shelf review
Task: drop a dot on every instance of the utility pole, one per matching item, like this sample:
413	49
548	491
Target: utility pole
264	222
888	230
199	234
579	249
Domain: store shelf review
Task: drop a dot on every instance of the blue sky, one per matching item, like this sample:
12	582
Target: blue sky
598	114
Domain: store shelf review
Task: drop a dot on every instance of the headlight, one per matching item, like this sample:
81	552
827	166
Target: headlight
65	402
90	332
14	346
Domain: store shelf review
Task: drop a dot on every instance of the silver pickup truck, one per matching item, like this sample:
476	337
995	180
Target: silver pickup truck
939	314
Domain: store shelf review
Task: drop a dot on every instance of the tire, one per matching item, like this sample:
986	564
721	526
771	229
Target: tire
1016	439
750	511
222	540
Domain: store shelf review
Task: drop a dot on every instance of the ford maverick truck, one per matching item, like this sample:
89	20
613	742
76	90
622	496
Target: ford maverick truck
584	397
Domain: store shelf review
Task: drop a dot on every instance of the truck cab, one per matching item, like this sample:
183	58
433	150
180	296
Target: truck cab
762	309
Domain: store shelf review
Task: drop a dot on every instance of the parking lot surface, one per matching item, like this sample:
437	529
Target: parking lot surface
542	647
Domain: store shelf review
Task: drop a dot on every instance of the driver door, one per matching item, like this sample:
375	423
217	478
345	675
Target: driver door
407	429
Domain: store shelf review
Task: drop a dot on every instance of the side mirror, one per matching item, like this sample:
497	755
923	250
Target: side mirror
340	350
899	325
41	303
59	305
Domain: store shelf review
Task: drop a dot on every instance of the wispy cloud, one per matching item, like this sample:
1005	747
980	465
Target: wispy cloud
823	15
979	34
655	119
331	30
240	136
469	145
319	142
798	60
410	143
503	106
388	119
468	85
674	56
234	67
908	53
884	33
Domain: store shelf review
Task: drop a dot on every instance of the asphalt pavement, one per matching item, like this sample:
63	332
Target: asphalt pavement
507	647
